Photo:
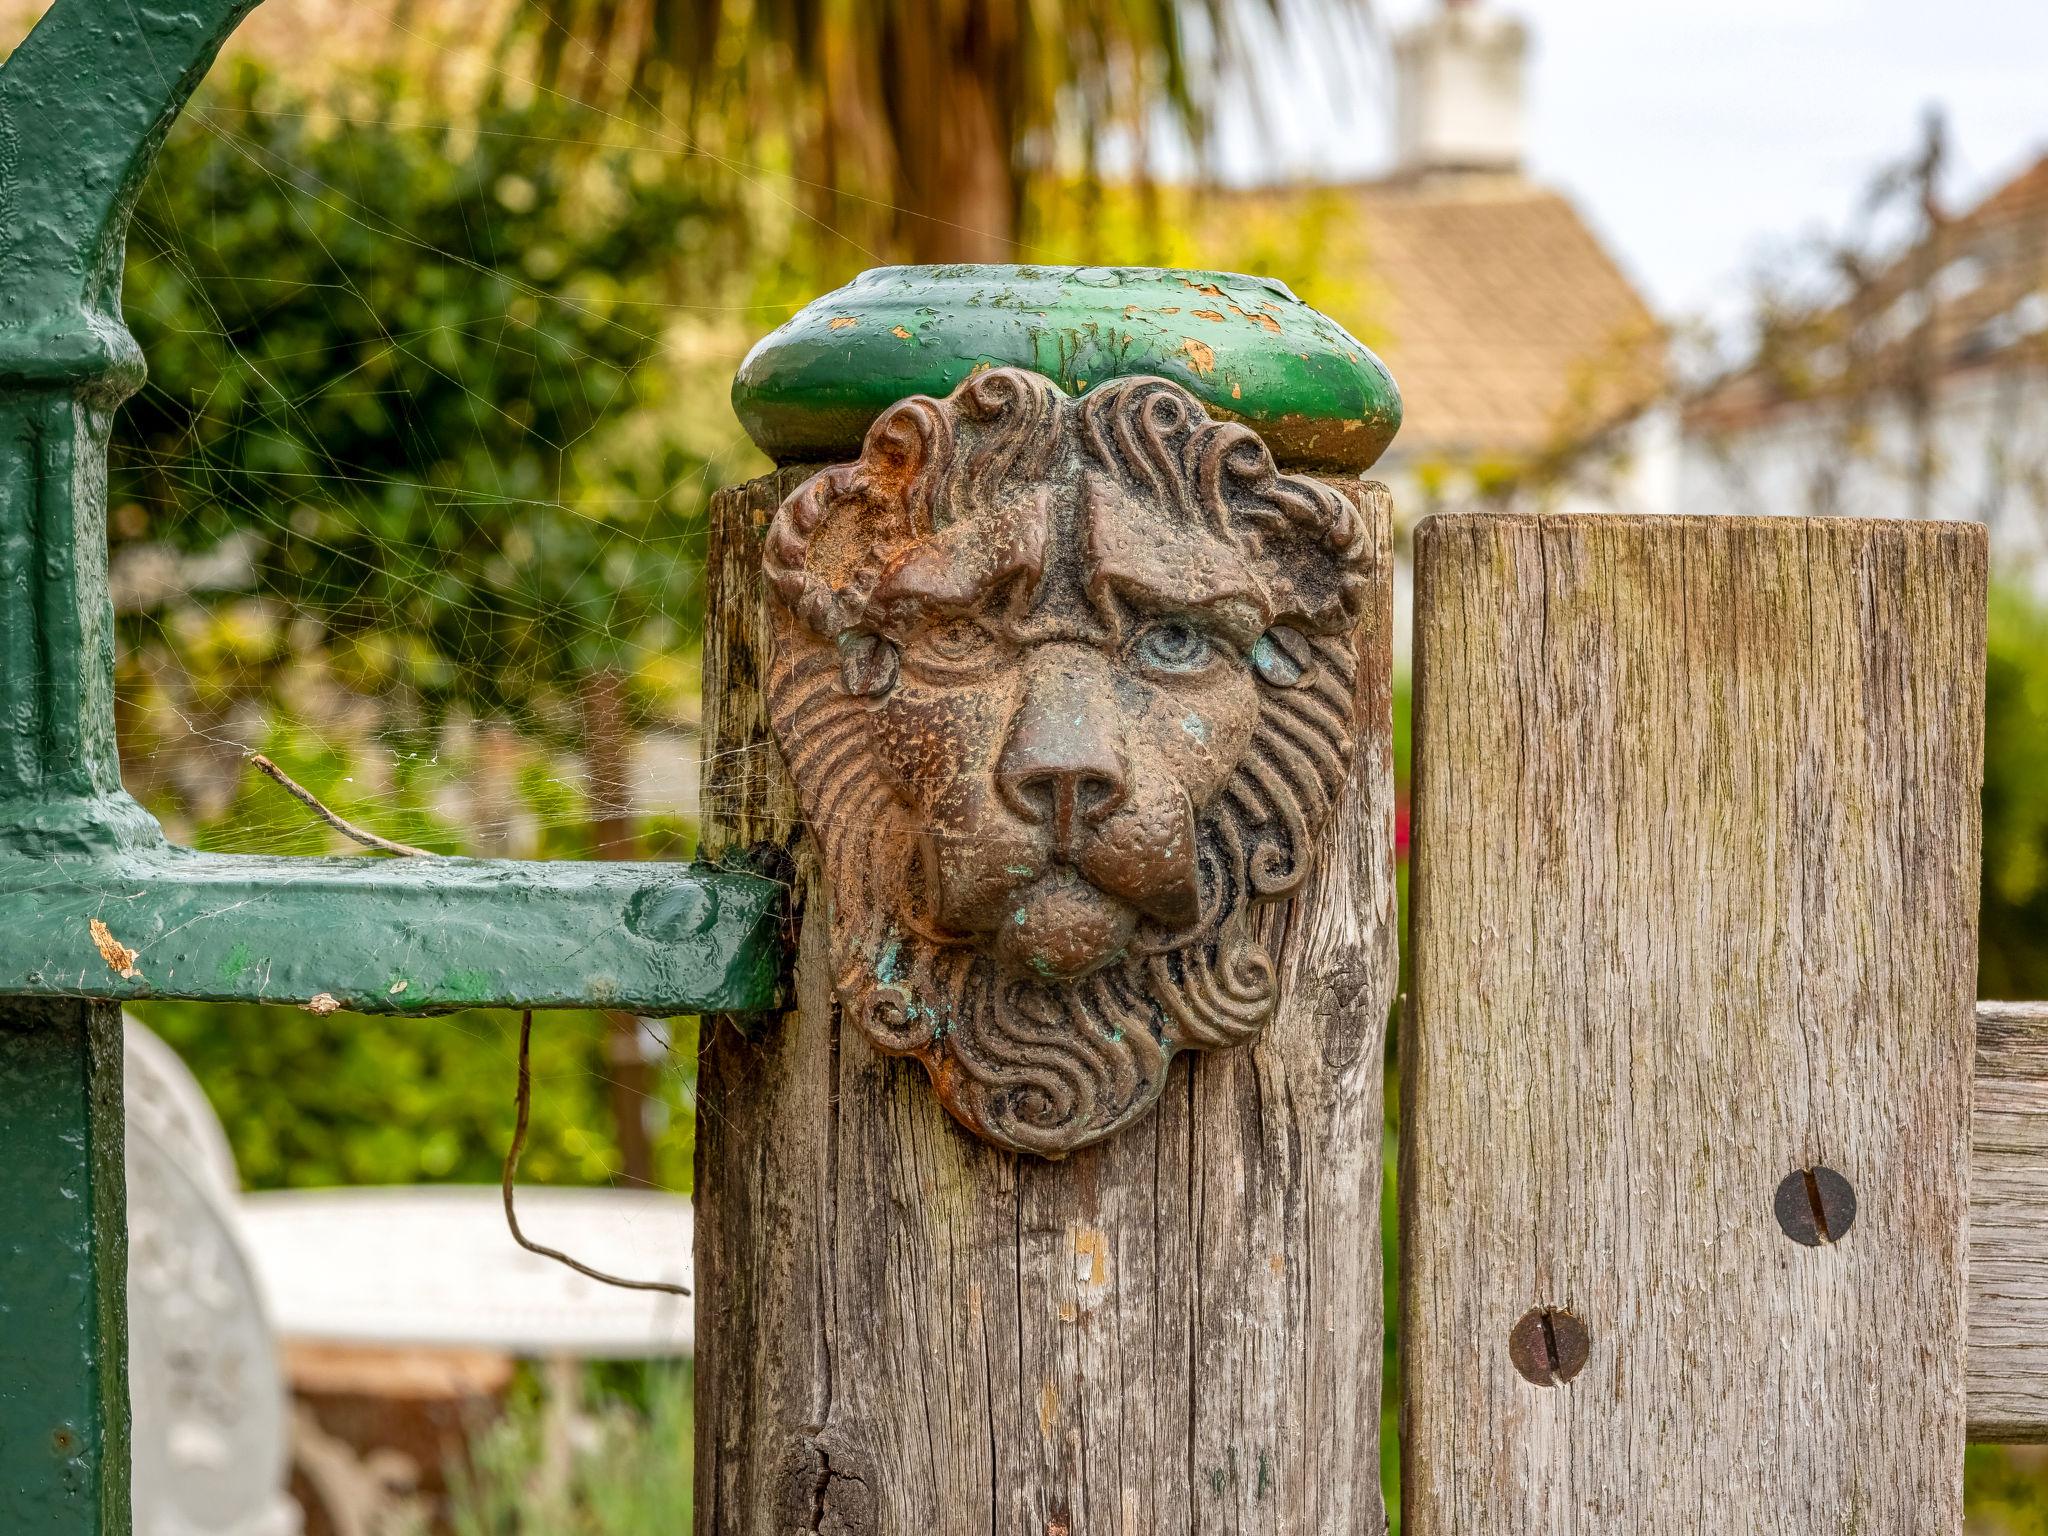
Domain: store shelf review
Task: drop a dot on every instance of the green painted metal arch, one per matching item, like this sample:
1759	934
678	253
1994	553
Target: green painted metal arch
1245	346
84	104
85	101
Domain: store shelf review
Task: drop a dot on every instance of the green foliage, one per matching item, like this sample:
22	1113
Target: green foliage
354	1099
2014	957
2005	1491
627	1472
350	1099
454	385
430	369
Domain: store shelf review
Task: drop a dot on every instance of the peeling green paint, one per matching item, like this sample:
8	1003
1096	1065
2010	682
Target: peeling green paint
392	935
1245	346
887	968
237	960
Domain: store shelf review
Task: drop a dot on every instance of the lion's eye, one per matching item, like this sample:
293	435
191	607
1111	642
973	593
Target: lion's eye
1174	648
954	646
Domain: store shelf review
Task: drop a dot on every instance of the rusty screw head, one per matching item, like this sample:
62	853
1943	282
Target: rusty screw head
1549	1346
1815	1205
1283	657
867	665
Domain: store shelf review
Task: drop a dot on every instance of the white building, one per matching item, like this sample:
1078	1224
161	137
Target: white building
1927	395
1532	373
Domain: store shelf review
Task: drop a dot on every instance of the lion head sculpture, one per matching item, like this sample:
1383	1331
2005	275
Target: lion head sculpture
1066	686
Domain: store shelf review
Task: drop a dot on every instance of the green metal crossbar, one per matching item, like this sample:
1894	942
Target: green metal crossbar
96	906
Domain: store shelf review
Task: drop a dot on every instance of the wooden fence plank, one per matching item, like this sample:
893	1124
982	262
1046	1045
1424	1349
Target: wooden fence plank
903	1329
2009	1225
1695	909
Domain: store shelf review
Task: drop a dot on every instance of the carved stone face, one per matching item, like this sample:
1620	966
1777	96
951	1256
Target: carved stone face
1066	690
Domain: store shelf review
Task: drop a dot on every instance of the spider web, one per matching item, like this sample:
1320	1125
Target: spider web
414	503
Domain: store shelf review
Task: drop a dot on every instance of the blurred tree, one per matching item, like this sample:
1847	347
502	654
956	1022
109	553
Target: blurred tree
921	122
420	373
423	368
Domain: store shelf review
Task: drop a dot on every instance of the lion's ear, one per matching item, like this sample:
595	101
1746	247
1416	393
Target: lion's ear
832	538
1313	546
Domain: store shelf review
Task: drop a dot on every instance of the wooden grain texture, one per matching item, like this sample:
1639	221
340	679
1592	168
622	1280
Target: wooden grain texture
2009	1225
901	1329
1695	905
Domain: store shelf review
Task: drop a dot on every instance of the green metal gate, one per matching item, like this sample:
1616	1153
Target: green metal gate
96	906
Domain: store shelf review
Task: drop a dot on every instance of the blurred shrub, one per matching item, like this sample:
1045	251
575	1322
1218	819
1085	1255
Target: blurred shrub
353	1099
625	1470
2014	960
357	1099
445	378
452	389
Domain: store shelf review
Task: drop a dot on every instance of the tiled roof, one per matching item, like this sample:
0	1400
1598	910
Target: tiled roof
1973	296
1509	328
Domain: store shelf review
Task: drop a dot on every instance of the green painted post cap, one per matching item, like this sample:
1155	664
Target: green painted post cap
1245	346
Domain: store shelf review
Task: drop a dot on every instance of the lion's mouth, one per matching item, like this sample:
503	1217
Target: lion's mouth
1056	926
1061	928
1050	918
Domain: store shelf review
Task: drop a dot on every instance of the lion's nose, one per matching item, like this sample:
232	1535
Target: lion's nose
1056	796
1060	767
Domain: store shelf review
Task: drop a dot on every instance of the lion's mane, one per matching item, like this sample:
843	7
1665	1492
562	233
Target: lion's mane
1040	1067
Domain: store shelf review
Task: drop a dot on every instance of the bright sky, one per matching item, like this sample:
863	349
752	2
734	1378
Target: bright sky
1701	135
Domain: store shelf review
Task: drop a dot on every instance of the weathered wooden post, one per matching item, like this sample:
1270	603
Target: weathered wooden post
1051	1206
1687	1075
95	906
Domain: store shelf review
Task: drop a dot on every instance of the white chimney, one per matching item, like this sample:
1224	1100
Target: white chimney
1459	85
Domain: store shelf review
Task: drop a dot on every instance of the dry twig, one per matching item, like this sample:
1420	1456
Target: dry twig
341	824
524	1103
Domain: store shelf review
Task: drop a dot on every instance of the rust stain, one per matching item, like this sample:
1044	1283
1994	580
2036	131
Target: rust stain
1201	356
119	957
321	1004
897	331
1236	390
1209	288
841	322
1210	314
1257	319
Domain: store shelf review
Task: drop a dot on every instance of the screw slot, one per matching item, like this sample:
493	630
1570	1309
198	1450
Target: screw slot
1815	1206
1549	1346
